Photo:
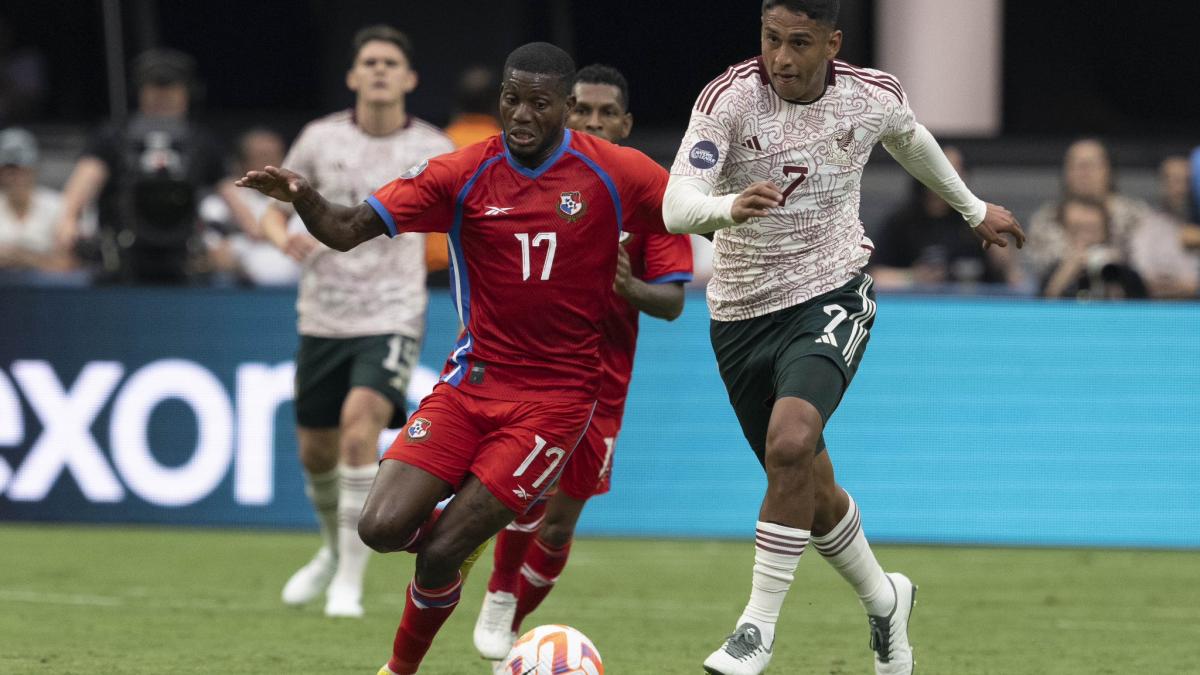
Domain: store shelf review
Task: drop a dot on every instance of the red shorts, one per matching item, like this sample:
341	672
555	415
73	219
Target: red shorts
517	449
590	471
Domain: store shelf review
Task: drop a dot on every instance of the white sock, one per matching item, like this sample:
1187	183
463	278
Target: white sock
846	548
777	551
322	491
353	554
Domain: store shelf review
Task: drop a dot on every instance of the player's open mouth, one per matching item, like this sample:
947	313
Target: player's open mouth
521	137
785	79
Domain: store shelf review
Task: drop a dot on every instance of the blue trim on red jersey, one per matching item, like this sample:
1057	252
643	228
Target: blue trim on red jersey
608	183
383	213
545	166
673	276
460	284
458	356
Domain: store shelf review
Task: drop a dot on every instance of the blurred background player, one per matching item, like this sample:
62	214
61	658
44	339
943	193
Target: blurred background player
772	162
534	217
147	176
651	271
28	211
362	312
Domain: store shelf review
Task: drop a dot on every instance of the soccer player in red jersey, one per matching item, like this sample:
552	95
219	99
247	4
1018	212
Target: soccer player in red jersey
652	268
534	218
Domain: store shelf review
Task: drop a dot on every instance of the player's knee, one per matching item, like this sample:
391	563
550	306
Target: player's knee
792	449
556	535
439	558
382	534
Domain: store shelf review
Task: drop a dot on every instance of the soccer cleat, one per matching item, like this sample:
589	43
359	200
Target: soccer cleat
494	636
742	654
343	601
889	634
311	580
386	671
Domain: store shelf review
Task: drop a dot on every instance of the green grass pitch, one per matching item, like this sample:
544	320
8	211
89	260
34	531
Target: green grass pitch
132	601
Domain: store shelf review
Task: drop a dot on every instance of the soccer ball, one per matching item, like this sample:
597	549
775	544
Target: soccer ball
553	650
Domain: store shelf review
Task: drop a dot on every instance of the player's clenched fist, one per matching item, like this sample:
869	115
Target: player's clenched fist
755	201
275	182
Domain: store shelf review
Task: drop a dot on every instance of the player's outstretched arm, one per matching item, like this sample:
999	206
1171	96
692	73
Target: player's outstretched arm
338	227
997	223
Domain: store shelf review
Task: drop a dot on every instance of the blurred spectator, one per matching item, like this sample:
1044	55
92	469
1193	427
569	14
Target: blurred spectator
1091	267
926	242
475	107
148	175
1190	231
240	248
1087	173
1156	248
28	212
22	80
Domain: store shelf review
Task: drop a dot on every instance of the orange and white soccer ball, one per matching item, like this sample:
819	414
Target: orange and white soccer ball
553	650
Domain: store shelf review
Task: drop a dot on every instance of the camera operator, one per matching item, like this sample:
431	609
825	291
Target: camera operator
147	176
1091	267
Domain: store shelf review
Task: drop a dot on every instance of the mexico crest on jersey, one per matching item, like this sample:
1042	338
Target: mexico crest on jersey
571	206
841	151
419	429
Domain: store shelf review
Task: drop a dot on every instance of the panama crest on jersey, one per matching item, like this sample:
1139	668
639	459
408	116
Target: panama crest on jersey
419	429
571	206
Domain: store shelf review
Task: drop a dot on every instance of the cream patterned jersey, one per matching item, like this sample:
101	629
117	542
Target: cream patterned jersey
379	286
742	132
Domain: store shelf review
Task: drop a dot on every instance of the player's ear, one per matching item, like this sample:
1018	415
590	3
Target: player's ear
834	45
351	81
410	81
570	105
627	125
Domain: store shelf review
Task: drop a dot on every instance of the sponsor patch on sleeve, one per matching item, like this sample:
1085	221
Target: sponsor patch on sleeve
704	155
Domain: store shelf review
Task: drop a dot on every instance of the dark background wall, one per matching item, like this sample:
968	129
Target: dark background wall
1107	66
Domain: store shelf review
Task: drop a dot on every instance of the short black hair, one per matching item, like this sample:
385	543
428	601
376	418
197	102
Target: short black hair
381	32
598	73
543	58
823	11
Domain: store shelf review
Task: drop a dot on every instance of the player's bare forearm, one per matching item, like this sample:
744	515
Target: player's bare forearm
661	301
338	227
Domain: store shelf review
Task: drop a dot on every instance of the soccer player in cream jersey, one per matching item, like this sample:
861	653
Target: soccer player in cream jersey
362	312
772	162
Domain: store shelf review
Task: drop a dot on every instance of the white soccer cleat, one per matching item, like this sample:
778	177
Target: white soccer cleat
494	636
742	654
342	601
889	634
311	580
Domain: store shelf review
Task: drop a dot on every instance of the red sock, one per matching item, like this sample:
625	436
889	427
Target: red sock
425	610
512	544
417	538
538	574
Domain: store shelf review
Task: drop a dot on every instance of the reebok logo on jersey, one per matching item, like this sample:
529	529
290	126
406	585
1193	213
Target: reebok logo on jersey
704	155
497	210
415	170
522	493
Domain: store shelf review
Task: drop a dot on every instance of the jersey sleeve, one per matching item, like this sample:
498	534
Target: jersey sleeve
642	185
420	200
901	121
705	146
668	258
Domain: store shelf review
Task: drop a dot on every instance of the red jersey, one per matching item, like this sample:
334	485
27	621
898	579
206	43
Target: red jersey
655	259
533	253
